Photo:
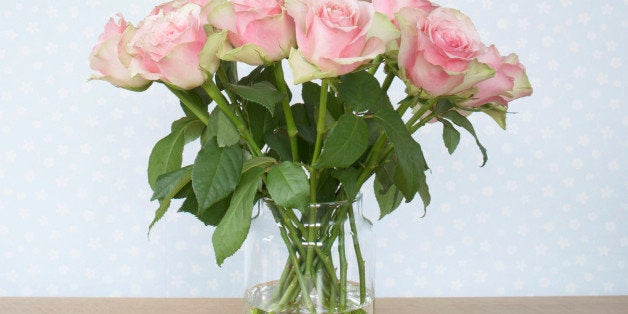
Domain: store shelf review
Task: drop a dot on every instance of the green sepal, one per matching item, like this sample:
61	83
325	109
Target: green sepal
497	112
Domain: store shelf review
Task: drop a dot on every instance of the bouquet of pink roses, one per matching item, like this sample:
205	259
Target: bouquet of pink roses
257	144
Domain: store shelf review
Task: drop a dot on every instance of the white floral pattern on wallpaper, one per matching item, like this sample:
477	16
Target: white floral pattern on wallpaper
546	216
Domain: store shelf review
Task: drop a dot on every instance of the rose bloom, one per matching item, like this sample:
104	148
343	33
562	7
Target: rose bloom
510	81
110	60
166	47
174	5
336	36
390	7
438	51
258	31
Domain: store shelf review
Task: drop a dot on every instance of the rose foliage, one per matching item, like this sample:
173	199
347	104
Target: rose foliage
260	140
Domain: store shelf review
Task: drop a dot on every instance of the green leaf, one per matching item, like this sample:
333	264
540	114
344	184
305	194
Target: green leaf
311	94
346	142
424	192
261	162
231	70
263	74
497	112
167	154
303	115
387	199
326	187
464	123
263	93
259	122
288	186
220	127
348	178
410	160
183	193
189	205
167	182
216	173
375	129
212	216
169	185
227	134
451	136
385	172
360	90
160	212
280	143
234	226
252	77
198	100
192	128
442	105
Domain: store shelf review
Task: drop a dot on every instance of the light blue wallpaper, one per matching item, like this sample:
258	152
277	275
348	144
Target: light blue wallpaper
546	216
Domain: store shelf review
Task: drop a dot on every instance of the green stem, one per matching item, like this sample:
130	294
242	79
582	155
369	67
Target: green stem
292	233
375	156
296	221
190	104
222	76
213	92
343	267
376	63
292	128
372	160
331	272
358	255
320	124
388	80
305	291
418	115
283	280
320	129
310	241
405	105
421	123
388	150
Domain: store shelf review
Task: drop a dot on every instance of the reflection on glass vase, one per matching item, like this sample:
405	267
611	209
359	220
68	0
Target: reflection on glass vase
316	260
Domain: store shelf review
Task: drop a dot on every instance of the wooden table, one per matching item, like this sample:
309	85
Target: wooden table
518	305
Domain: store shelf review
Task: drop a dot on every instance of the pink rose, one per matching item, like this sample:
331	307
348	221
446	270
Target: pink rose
438	51
174	5
166	47
336	36
390	7
109	58
258	31
510	81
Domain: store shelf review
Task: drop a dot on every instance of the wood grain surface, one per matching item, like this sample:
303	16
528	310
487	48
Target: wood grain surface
517	305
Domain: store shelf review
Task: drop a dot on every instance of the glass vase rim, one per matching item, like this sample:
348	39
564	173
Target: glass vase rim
358	197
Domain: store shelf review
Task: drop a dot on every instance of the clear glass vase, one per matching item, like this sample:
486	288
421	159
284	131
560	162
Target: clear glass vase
319	260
